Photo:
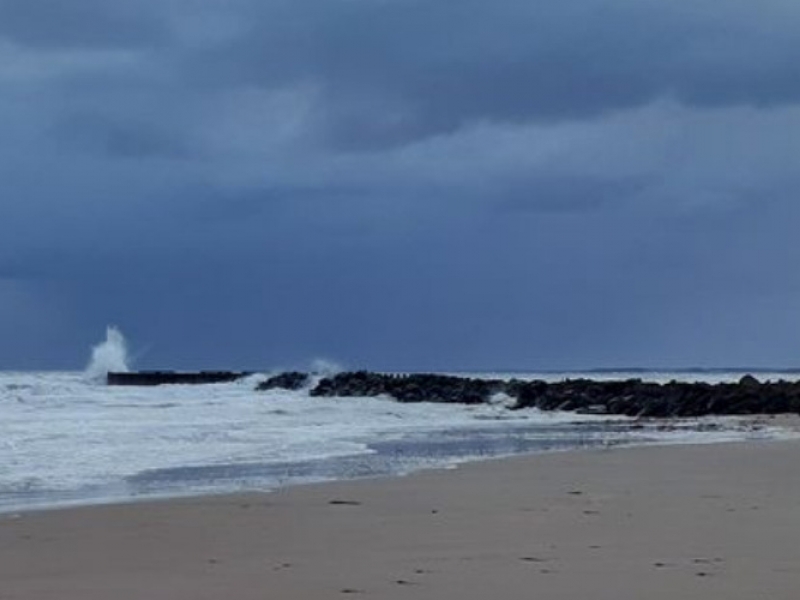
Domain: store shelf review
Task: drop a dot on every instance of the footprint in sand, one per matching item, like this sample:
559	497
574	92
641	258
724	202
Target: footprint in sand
707	561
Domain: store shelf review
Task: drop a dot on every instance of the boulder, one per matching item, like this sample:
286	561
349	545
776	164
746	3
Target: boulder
291	380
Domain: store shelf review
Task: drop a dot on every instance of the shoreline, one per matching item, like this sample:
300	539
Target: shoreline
688	521
776	427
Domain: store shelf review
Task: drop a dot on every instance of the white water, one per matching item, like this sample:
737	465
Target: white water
65	438
109	355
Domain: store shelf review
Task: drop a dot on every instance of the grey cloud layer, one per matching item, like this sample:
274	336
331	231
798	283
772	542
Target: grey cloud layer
80	23
401	183
391	72
394	71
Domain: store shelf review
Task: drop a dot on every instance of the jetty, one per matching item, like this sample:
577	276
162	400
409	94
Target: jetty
150	378
630	397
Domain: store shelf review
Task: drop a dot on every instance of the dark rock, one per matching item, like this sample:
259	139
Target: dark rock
749	381
631	397
410	388
291	380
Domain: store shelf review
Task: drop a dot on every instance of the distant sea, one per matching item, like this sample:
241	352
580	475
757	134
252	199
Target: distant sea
66	438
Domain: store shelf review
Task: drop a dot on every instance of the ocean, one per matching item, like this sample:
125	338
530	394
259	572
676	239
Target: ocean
66	438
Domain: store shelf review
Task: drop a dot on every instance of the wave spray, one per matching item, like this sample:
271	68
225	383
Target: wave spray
109	355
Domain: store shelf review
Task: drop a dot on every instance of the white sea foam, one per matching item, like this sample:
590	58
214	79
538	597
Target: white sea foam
502	399
109	355
325	367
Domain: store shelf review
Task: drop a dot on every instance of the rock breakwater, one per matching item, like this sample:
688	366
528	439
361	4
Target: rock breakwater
630	397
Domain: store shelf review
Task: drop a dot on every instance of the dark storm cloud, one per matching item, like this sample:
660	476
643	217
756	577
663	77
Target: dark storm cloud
400	183
390	72
567	194
116	138
80	23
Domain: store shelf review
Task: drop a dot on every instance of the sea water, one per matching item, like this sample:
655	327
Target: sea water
68	438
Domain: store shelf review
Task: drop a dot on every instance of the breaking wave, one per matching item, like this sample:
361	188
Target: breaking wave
109	355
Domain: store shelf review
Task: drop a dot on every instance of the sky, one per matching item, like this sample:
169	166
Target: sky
400	184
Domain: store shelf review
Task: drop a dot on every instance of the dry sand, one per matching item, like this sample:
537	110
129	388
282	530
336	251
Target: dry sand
690	522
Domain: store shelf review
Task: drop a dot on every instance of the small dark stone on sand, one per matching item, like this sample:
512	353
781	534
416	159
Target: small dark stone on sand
533	559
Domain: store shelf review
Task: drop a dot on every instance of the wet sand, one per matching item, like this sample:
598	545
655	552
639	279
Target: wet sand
688	522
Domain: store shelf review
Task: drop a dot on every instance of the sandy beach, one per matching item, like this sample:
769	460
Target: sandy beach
688	522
